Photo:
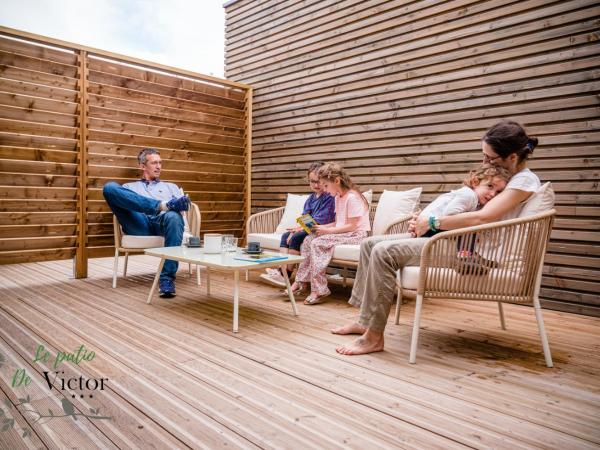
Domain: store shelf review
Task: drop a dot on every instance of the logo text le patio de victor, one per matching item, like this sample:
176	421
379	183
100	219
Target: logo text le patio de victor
56	380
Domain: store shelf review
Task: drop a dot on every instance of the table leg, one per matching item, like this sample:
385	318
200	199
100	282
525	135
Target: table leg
236	300
160	266
208	281
289	289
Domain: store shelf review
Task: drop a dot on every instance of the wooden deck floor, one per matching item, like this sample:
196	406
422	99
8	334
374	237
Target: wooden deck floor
178	377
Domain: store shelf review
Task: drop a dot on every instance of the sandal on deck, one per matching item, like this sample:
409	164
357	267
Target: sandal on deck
310	300
299	290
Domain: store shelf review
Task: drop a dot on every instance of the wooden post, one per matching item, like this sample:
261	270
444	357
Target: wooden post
248	160
81	256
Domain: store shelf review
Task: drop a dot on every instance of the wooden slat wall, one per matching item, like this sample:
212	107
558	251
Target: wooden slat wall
72	119
400	92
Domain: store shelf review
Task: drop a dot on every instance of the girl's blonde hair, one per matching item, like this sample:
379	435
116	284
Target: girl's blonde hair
476	176
330	171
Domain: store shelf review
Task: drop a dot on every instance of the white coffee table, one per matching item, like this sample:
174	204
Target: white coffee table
221	261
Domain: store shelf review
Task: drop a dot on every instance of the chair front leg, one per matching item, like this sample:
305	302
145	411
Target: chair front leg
501	311
540	321
415	333
115	268
398	297
125	265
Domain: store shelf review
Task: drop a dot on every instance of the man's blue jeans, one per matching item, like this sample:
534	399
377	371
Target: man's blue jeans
138	215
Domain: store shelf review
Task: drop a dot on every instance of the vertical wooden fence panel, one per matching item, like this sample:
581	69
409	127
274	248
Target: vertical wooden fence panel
400	92
73	118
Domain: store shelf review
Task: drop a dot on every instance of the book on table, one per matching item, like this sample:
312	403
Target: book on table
307	222
260	258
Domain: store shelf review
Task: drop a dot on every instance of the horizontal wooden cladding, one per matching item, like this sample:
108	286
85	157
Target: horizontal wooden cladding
37	154
410	131
44	254
400	93
566	73
363	27
163	122
160	100
174	176
112	73
112	152
38	51
198	162
37	65
168	91
162	131
173	112
64	133
37	218
409	75
453	46
38	95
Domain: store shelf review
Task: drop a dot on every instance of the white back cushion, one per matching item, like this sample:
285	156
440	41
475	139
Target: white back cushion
293	209
542	200
369	196
393	205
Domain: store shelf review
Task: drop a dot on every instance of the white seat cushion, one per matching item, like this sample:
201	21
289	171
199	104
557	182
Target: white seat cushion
347	252
410	280
394	205
129	241
267	240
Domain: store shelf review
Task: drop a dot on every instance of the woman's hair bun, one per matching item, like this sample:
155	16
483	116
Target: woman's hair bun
532	143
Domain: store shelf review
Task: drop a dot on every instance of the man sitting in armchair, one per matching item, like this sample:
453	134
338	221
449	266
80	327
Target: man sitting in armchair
151	207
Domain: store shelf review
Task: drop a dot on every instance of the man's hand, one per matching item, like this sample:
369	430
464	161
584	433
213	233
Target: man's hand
413	222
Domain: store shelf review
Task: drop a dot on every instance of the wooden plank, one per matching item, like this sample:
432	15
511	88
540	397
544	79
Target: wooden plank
37	129
47	167
29	205
173	175
140	62
36	218
14	244
152	141
20	140
105	79
42	96
80	269
165	131
161	100
37	65
117	104
133	74
37	51
37	154
113	151
146	119
24	231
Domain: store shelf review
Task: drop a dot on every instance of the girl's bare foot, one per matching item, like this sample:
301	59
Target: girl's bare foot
369	342
353	328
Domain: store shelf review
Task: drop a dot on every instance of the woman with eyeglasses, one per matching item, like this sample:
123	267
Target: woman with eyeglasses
506	145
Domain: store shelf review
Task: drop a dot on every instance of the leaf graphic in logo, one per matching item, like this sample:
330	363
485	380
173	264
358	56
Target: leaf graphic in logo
68	408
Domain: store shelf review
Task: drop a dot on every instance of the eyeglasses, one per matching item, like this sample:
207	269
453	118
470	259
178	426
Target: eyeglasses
487	159
311	181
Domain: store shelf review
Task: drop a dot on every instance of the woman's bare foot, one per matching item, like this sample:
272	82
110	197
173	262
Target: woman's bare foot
370	342
353	328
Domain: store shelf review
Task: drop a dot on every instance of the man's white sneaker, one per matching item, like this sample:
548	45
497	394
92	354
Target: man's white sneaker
276	279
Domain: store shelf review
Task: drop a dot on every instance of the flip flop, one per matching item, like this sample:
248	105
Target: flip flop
300	290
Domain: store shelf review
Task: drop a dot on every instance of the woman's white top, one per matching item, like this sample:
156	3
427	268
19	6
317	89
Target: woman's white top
524	180
451	203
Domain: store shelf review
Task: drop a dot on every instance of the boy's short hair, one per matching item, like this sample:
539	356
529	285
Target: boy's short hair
486	171
143	154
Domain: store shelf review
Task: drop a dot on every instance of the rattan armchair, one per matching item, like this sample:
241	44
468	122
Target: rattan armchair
508	271
138	244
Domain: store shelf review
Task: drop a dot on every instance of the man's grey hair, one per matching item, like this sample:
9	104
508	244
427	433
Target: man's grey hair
143	155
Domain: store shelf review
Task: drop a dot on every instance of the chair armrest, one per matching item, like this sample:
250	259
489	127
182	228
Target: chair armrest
398	226
264	221
514	248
